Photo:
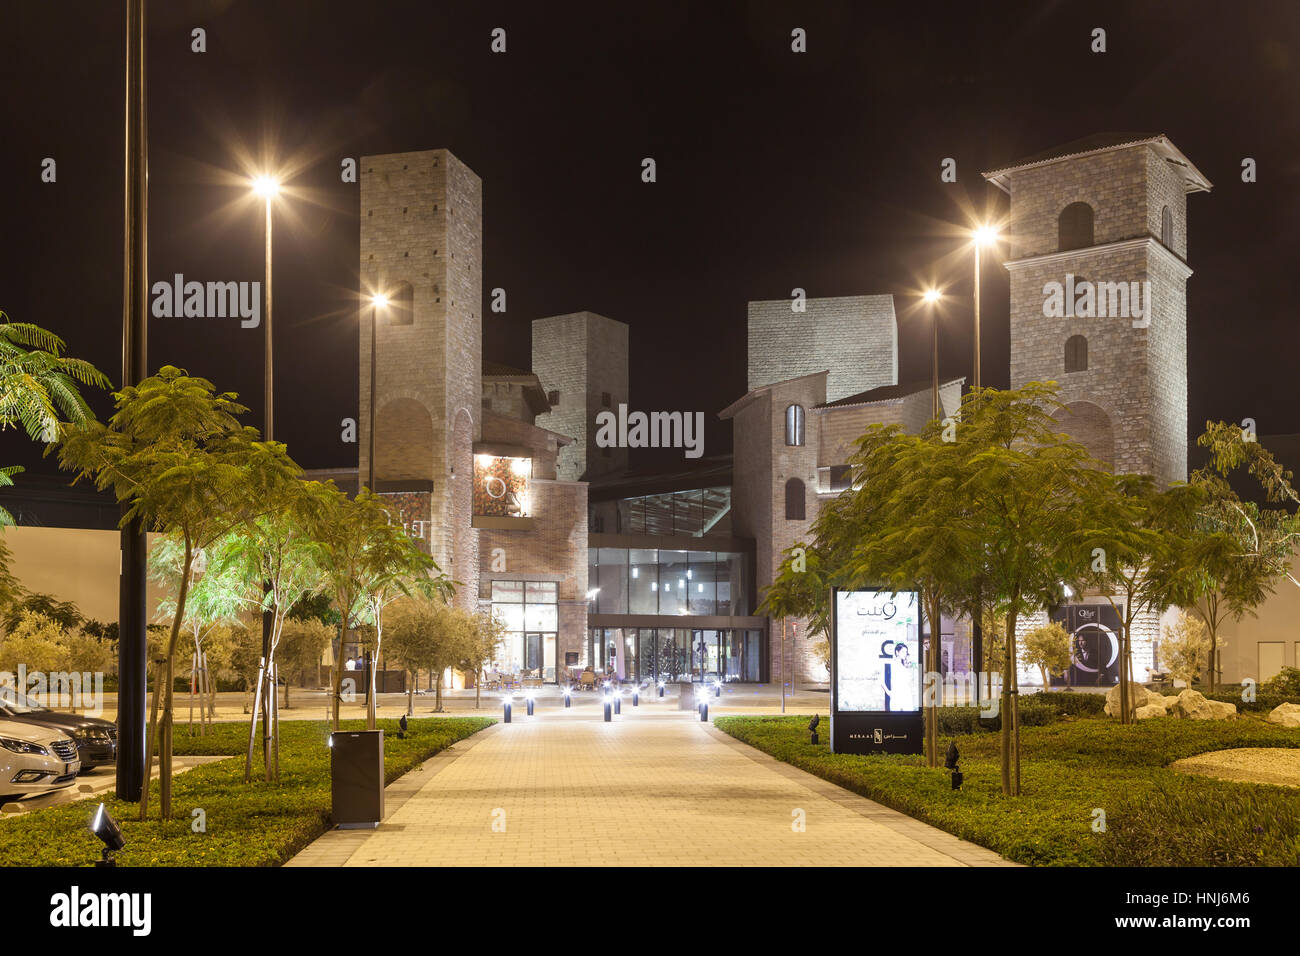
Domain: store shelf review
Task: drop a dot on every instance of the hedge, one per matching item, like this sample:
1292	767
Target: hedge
1069	770
255	824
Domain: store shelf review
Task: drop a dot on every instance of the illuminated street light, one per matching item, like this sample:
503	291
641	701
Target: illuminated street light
377	301
932	297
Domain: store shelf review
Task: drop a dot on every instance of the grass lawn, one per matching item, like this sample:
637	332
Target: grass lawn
255	824
1070	769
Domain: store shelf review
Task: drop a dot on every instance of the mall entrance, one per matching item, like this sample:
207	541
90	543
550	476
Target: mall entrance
672	654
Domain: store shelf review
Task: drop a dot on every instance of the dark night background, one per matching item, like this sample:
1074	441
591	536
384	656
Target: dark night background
776	170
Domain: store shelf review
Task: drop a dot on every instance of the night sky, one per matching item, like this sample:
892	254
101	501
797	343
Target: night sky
775	170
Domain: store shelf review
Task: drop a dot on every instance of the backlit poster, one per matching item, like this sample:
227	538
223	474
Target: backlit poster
879	651
877	667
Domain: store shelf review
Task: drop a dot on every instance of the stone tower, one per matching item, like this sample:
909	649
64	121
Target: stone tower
581	361
1098	263
421	246
853	337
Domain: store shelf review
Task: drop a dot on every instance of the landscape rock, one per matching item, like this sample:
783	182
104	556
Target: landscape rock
1139	696
1193	705
1150	710
1288	715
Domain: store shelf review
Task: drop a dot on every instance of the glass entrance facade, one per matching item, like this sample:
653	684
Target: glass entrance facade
529	610
676	654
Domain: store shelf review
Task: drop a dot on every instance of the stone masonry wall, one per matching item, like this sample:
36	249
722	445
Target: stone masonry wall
855	338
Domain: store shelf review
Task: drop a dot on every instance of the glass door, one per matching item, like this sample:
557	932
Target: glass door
548	658
533	655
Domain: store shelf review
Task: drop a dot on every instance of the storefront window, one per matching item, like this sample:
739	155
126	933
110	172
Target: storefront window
611	576
643	583
530	614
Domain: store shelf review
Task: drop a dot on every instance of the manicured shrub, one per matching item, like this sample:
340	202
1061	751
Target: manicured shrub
247	824
1199	822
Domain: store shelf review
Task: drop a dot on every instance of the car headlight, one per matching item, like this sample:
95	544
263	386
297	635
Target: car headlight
23	747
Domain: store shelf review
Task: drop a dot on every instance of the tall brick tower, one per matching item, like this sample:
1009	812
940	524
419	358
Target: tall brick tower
581	361
421	246
1106	215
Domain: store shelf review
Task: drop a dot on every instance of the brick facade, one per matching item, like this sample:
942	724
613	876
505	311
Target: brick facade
853	338
582	356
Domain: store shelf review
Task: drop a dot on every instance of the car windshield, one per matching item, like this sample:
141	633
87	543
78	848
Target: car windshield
18	702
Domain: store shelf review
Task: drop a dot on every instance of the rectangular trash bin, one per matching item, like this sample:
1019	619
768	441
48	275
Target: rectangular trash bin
357	778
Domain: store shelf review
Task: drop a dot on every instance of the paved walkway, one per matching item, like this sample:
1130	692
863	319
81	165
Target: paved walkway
656	788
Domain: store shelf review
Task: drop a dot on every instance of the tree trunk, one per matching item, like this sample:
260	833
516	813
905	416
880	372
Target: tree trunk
165	740
150	739
410	694
1010	735
932	667
478	685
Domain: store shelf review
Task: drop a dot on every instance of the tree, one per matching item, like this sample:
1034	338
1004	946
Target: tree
1026	487
64	613
36	642
1048	649
208	605
1184	648
269	565
302	642
394	567
175	454
432	634
1226	554
11	589
485	639
1126	543
38	384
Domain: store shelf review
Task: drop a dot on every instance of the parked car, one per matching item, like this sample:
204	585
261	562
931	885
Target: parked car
96	737
35	759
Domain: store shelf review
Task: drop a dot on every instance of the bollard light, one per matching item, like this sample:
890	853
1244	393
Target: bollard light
618	703
704	709
528	699
568	696
950	762
608	709
717	689
636	697
661	688
505	703
812	728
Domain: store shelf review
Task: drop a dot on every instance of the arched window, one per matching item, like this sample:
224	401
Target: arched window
1076	354
794	425
795	505
1167	228
1074	228
401	305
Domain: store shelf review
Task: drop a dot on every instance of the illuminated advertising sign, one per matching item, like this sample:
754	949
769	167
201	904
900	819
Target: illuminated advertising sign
501	486
876	672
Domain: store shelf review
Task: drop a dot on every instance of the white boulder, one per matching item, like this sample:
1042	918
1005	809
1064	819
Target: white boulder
1138	697
1193	705
1150	710
1288	715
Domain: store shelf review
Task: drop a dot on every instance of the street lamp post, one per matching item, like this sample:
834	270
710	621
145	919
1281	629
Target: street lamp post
932	296
983	235
268	189
377	302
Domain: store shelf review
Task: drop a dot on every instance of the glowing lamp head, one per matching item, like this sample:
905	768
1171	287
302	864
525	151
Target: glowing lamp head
986	235
266	187
379	301
932	295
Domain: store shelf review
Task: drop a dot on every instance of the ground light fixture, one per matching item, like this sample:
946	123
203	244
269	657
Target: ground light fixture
401	728
528	700
717	688
568	696
636	696
661	688
505	704
812	729
109	833
618	702
608	707
704	709
950	763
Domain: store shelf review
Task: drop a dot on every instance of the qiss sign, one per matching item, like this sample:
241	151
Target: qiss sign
876	672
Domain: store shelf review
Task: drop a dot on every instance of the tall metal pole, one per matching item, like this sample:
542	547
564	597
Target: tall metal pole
977	630
131	613
976	380
374	322
934	362
268	433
